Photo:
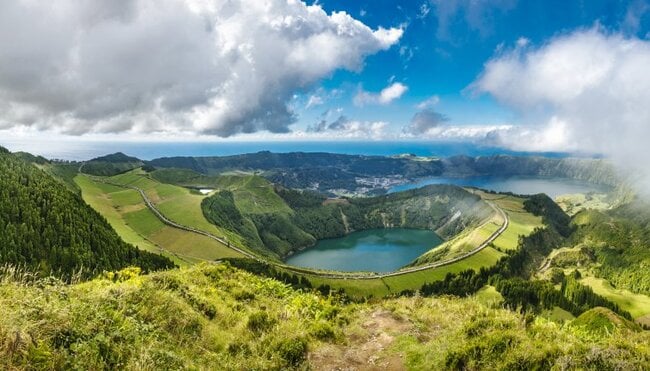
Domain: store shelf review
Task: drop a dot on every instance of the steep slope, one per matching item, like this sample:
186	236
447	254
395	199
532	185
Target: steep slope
216	317
44	226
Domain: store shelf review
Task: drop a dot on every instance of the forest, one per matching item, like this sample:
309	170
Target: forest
47	228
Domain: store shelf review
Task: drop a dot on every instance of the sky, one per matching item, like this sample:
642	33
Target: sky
567	76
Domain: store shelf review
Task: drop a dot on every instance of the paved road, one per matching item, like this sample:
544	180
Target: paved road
351	276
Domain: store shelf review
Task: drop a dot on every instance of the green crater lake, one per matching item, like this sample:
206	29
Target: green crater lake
373	250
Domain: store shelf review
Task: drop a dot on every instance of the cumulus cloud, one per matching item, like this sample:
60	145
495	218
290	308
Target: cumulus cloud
208	67
385	96
425	120
590	89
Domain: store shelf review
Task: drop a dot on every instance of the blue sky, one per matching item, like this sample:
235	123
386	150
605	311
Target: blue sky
444	48
520	75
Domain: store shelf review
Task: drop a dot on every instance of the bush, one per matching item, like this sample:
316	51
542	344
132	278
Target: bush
322	330
293	351
260	322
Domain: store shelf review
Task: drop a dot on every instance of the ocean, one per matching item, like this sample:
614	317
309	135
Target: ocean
85	150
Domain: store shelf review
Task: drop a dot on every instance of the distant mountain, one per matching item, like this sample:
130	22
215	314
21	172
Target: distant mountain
328	171
592	170
116	158
46	227
110	165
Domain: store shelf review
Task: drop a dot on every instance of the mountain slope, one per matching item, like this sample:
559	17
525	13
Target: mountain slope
44	226
216	317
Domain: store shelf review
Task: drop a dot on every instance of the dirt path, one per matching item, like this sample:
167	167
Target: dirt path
367	351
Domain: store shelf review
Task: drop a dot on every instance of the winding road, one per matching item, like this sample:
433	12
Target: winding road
351	276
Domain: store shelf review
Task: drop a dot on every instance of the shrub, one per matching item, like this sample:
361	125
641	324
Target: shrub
293	351
260	322
322	330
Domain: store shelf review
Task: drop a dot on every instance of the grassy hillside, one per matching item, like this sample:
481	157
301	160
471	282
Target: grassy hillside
135	223
48	228
216	317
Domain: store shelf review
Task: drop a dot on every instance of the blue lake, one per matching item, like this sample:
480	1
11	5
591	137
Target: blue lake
553	187
374	250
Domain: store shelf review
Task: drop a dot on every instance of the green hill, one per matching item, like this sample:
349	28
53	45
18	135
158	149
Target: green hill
48	228
112	164
603	321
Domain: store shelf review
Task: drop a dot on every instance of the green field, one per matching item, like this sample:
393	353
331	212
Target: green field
178	204
135	223
638	305
522	223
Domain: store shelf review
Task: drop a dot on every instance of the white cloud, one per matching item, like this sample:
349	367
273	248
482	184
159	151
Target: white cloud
429	102
590	87
385	96
209	67
465	133
343	127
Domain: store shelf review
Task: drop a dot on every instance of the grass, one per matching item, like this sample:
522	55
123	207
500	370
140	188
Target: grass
464	334
489	296
637	304
136	224
97	195
212	316
603	321
521	223
557	315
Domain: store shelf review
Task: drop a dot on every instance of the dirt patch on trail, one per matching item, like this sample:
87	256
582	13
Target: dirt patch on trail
367	351
645	320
